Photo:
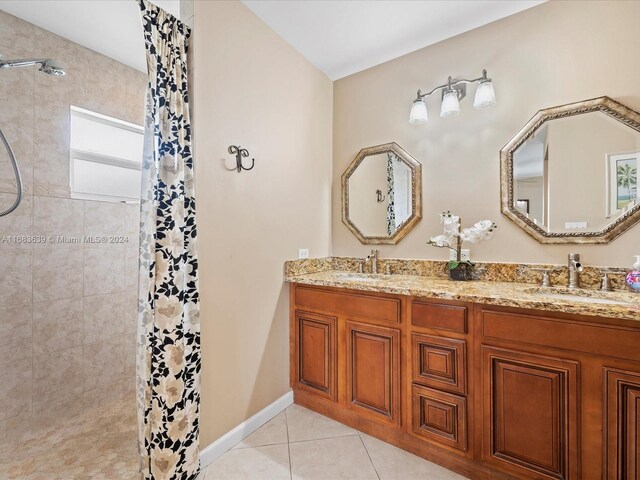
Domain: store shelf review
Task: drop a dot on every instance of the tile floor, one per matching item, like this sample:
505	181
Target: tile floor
100	444
299	444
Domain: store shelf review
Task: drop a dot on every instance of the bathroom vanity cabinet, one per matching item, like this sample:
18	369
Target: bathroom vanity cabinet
487	391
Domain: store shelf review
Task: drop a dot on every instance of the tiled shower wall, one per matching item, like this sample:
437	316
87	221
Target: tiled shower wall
67	311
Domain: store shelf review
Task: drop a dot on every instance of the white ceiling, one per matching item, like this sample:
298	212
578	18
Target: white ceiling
343	37
110	27
340	37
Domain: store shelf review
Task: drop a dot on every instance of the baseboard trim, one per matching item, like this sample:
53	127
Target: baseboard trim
246	428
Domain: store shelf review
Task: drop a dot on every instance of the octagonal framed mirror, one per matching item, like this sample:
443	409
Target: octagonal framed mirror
570	174
382	194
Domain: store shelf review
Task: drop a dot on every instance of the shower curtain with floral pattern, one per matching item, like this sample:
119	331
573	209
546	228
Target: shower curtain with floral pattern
391	212
168	366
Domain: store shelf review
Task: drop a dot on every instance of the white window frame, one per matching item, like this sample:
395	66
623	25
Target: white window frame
103	159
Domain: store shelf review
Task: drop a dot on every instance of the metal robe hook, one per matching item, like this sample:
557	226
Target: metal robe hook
240	152
380	197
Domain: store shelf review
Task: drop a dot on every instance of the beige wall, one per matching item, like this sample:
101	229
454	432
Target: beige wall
555	53
532	189
578	150
68	311
253	89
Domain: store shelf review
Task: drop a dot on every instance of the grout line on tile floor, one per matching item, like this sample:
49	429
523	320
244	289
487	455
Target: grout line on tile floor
286	424
365	449
257	446
324	438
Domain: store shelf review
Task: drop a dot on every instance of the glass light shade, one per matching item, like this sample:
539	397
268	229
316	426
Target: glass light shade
450	105
418	115
485	95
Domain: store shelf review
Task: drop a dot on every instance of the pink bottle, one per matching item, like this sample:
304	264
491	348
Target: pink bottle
633	277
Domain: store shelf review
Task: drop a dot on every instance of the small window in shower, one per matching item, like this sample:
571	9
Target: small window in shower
106	157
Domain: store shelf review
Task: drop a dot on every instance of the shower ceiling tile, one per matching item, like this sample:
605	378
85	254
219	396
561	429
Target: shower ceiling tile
57	325
57	273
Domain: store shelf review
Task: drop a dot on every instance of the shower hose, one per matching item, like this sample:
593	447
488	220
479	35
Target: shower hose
16	171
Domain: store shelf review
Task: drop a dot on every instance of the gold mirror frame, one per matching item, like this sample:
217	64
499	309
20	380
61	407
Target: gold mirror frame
416	194
602	104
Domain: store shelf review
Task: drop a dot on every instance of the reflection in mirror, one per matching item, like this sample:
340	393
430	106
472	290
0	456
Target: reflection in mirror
380	199
380	194
575	172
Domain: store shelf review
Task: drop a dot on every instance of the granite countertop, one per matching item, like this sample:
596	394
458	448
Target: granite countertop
618	304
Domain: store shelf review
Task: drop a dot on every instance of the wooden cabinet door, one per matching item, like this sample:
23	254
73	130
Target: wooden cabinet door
373	371
622	424
530	414
316	354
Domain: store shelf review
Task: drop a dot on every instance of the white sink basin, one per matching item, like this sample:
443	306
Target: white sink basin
357	277
578	298
582	297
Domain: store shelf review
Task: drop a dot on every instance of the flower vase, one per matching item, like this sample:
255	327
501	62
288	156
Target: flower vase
461	273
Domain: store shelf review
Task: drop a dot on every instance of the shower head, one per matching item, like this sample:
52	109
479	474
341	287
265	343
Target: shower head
47	65
51	67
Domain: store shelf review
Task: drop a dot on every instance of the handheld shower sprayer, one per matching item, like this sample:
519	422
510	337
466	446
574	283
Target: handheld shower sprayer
48	67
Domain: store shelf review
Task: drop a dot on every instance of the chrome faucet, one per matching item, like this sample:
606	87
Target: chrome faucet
373	256
575	267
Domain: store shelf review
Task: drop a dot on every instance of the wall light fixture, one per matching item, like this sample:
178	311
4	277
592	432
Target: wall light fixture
452	92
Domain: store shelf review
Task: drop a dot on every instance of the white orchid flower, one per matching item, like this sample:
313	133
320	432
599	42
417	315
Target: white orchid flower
471	234
484	225
486	228
441	241
454	235
451	224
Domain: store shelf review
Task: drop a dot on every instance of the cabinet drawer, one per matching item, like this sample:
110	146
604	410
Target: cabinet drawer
439	417
439	362
605	340
440	317
349	304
